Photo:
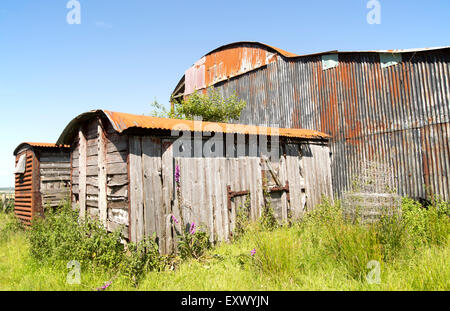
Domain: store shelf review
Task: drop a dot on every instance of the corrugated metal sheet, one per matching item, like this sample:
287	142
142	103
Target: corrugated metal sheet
24	190
398	115
195	76
125	121
38	145
229	61
254	43
237	58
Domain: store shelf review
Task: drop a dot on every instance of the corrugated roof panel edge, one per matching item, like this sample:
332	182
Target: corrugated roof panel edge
122	122
39	145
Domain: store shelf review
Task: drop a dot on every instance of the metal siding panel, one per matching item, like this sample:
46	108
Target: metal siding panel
397	115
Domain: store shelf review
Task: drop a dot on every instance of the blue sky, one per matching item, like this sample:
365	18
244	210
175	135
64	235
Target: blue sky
124	54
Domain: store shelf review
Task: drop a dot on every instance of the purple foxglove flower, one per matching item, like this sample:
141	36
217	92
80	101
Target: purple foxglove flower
192	229
104	286
253	252
177	174
174	219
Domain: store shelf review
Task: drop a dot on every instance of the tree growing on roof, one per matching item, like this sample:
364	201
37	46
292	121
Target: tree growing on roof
211	106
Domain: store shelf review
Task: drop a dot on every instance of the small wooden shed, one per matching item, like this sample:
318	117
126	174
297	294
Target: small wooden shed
42	178
137	171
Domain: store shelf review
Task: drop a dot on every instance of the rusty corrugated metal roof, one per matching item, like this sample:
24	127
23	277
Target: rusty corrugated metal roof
229	61
39	145
397	116
234	59
240	43
122	122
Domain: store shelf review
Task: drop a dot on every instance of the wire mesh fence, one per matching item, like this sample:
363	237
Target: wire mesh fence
372	195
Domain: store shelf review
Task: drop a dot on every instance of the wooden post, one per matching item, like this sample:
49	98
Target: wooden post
83	173
102	178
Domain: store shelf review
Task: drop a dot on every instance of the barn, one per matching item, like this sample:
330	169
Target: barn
42	178
389	107
135	172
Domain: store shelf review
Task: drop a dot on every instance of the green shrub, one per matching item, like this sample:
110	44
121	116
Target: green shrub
426	226
193	245
62	236
354	245
141	258
391	234
10	225
242	219
267	221
211	107
7	206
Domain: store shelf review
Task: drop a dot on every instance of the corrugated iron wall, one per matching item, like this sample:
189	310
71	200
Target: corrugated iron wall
397	115
24	190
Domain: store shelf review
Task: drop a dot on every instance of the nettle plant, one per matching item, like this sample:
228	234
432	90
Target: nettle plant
211	106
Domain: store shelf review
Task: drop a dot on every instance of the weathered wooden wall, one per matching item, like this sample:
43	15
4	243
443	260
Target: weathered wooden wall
54	177
128	180
45	183
100	174
211	189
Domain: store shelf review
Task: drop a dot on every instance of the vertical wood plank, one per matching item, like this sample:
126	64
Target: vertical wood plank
176	207
293	173
217	184
223	197
136	189
102	177
259	195
208	199
197	187
71	178
288	204
167	192
186	192
317	175
153	201
235	186
82	173
36	192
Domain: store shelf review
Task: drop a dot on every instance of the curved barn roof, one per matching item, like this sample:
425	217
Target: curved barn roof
238	58
39	146
122	122
263	45
228	61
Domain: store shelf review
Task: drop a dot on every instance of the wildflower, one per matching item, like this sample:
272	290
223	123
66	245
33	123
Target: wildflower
192	229
105	286
177	174
174	219
253	252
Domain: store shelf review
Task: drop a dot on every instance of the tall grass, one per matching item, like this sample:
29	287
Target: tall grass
320	252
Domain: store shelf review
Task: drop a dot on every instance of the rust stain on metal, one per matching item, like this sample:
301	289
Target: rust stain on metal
124	121
146	122
229	61
39	145
397	115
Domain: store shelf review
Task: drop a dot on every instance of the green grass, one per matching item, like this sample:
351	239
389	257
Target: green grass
320	253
